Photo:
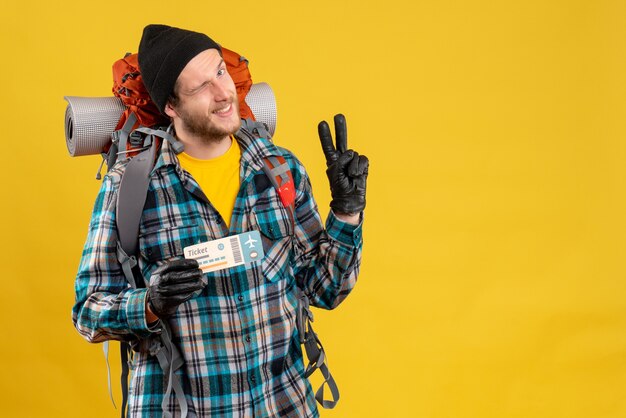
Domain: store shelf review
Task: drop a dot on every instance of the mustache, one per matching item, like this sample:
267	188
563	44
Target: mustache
233	100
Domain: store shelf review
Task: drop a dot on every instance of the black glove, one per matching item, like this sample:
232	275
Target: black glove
173	283
347	170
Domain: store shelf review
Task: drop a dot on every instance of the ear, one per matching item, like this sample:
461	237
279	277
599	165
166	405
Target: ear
170	111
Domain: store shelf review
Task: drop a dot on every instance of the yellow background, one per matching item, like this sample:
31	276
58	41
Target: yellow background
493	276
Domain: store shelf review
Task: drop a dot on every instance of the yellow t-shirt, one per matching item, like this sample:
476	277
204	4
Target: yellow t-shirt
218	178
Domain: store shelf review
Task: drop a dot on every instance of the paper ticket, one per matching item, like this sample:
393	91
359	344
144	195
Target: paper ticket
227	252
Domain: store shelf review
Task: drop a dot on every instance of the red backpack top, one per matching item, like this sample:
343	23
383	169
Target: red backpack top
128	86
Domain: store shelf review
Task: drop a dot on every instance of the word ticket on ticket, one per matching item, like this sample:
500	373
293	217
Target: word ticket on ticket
227	252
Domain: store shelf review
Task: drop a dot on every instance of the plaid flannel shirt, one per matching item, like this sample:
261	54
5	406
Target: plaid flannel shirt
238	337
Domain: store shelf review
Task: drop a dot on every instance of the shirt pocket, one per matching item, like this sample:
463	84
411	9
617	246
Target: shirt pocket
275	224
167	243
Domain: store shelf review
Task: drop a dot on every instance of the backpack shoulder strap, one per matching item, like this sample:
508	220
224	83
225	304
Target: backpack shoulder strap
134	188
131	199
279	173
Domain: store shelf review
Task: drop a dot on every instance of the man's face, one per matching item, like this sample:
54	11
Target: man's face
207	107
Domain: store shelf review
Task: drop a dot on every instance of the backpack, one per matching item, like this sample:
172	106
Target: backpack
142	112
138	135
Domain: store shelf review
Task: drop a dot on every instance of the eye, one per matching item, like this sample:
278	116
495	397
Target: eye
199	88
221	72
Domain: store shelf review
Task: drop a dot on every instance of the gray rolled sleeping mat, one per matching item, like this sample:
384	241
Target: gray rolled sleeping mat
90	121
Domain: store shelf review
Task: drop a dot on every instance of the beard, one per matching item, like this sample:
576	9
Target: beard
203	126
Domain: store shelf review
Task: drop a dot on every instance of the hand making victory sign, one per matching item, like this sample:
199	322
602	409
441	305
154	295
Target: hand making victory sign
347	170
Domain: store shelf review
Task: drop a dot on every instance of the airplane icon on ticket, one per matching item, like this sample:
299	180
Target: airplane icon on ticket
250	242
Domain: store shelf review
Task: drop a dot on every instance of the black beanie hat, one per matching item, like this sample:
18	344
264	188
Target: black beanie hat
164	51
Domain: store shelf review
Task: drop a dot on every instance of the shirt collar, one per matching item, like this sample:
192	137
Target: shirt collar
253	152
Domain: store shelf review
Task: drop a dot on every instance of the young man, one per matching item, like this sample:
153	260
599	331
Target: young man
235	328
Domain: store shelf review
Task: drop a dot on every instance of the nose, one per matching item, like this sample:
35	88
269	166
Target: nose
220	91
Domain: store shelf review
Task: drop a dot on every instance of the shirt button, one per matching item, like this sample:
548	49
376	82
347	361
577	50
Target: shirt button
248	339
240	298
252	377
